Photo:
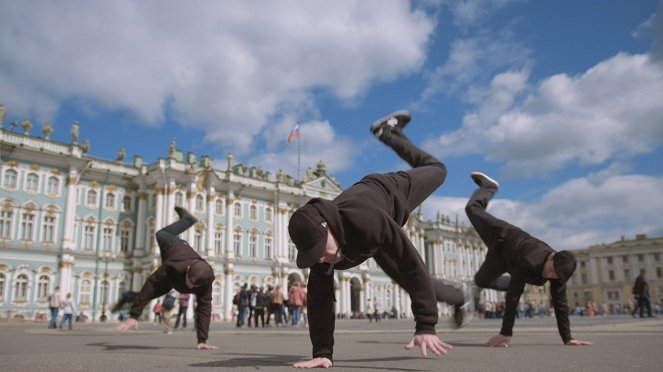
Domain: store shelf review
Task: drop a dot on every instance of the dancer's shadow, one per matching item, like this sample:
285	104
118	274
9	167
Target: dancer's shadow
268	360
111	347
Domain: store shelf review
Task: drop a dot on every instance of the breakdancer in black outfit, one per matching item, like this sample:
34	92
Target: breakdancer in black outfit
366	221
527	259
183	269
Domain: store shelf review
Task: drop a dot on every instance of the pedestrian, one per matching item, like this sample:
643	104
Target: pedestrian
183	303
156	309
269	308
242	298
260	305
366	220
296	299
527	260
167	308
252	303
68	311
54	306
277	302
641	292
183	269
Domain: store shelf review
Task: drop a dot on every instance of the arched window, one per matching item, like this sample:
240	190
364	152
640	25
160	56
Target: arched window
110	200
268	247
43	286
219	206
88	237
268	215
84	292
253	213
238	210
218	242
48	229
91	198
126	203
53	185
10	180
179	199
253	245
125	240
200	203
6	223
21	288
237	243
32	183
27	226
198	242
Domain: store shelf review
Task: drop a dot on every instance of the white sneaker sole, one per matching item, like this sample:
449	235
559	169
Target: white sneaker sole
477	177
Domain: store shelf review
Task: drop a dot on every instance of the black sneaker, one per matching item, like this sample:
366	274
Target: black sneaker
397	119
463	313
483	180
183	213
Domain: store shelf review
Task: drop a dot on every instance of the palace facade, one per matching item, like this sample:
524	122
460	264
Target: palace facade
87	225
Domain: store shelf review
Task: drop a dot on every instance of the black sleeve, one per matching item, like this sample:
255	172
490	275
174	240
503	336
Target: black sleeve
558	292
156	285
321	311
203	312
513	293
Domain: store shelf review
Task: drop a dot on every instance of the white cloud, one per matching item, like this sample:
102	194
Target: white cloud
612	111
224	67
579	213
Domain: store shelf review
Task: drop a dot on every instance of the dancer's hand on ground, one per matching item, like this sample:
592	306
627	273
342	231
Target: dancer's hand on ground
579	343
204	346
499	340
127	324
314	363
429	342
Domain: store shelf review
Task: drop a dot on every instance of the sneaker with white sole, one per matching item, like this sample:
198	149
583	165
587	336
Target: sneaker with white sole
483	180
463	314
397	119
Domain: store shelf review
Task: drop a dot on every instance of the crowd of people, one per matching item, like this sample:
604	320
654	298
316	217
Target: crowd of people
260	303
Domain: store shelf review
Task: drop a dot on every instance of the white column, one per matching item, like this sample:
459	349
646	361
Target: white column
230	252
139	249
209	234
228	303
66	273
70	210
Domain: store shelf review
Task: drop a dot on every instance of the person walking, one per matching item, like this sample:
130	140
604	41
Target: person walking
182	269
526	259
364	221
641	292
157	309
242	305
182	310
68	311
296	298
54	306
261	304
277	303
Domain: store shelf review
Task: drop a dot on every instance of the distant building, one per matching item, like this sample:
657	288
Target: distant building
606	273
87	225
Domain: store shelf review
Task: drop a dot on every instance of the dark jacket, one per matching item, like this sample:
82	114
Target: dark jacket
524	257
171	275
366	220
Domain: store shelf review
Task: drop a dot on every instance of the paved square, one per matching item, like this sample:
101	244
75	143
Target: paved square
621	344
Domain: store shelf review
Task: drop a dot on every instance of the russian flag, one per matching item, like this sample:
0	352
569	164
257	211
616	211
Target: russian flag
294	133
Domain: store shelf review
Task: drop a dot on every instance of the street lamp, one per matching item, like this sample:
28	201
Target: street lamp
105	255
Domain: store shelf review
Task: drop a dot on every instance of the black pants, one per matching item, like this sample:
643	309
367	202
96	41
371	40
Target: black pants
491	230
416	184
181	313
168	235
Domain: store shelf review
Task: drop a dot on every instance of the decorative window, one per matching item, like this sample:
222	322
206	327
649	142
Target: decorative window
3	280
198	242
10	180
200	203
219	206
43	286
237	244
253	213
110	200
125	240
126	203
6	224
292	252
179	199
53	186
84	292
108	239
27	226
48	229
238	210
218	243
21	288
268	247
268	215
253	245
88	237
32	183
91	198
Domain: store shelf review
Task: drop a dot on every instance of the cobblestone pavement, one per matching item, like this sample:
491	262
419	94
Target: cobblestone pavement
621	344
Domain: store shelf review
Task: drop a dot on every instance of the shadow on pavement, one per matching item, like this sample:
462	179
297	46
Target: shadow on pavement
112	347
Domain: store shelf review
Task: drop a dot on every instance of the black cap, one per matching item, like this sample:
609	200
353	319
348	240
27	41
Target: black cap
308	230
565	265
200	273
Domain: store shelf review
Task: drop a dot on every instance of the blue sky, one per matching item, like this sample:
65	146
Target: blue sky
561	101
